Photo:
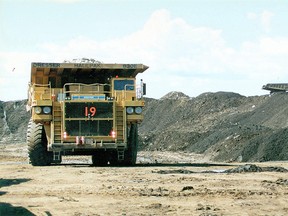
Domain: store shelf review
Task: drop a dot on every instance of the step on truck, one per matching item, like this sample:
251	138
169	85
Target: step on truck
84	109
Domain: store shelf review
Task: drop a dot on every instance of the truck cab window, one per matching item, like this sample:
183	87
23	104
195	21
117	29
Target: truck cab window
124	85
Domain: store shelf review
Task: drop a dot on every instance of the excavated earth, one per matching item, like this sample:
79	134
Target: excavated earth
222	126
215	154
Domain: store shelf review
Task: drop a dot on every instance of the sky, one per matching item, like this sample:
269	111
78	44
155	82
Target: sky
191	46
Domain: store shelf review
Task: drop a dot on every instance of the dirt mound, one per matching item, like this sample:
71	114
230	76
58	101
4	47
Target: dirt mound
13	121
175	95
254	168
224	126
240	169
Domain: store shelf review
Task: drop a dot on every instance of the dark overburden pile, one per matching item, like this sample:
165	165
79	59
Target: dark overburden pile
240	169
13	121
224	126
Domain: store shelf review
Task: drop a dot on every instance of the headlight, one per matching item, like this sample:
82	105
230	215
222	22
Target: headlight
129	110
138	110
47	110
37	110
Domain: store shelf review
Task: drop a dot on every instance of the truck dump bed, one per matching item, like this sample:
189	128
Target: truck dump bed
71	71
276	87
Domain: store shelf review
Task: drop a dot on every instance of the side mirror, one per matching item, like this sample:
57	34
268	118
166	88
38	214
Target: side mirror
144	89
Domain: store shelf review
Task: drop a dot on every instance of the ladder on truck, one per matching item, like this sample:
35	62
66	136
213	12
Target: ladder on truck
120	129
56	128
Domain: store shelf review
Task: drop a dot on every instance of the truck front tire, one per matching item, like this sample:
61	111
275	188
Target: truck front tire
37	145
130	155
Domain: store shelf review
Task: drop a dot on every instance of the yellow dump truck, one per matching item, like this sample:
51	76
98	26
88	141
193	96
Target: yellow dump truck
84	109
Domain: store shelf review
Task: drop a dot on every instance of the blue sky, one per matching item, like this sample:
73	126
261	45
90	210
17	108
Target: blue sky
190	46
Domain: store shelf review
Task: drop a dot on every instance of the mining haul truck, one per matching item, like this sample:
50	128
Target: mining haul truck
84	109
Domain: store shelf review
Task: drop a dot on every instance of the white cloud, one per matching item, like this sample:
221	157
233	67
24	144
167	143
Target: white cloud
252	16
181	57
264	18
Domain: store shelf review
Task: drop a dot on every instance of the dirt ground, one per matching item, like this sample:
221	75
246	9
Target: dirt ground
162	183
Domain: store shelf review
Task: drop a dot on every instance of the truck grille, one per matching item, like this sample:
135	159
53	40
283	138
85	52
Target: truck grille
88	118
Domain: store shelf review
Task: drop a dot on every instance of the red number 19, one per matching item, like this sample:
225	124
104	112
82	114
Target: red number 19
90	111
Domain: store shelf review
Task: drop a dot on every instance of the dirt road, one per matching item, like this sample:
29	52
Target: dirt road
161	188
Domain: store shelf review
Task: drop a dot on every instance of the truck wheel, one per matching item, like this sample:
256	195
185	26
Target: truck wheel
29	129
113	158
99	159
37	145
130	155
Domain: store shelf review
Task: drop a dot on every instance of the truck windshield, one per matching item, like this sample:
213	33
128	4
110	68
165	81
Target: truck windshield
124	85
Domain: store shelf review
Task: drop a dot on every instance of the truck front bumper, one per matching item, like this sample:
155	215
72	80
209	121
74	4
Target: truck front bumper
86	146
